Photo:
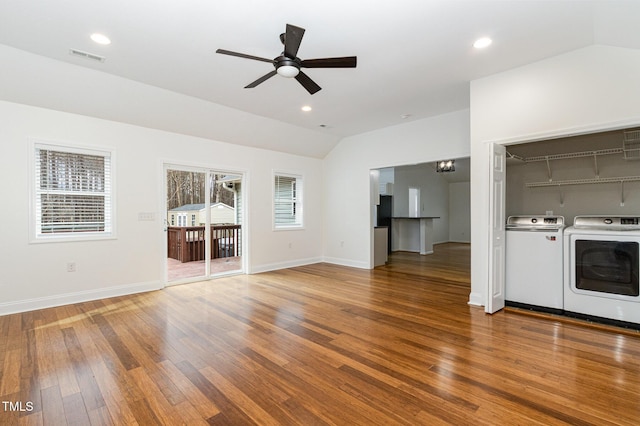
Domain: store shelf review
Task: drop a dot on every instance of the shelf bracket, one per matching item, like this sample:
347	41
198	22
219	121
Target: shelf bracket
548	168
561	195
621	193
595	164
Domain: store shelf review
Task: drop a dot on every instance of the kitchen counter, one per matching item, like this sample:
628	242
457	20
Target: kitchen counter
415	217
413	234
380	235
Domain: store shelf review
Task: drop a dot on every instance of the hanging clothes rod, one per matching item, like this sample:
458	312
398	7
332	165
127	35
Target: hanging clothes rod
571	155
583	181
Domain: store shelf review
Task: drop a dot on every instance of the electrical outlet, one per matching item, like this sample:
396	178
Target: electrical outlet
341	243
71	267
290	245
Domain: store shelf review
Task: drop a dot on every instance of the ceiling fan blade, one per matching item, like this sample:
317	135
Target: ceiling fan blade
242	55
307	83
344	62
260	80
292	40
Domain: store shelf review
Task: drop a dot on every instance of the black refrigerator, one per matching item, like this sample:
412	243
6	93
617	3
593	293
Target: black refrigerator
384	213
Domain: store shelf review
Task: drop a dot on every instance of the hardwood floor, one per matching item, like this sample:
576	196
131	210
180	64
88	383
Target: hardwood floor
314	345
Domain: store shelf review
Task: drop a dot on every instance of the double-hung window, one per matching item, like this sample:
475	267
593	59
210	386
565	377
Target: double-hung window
287	201
73	193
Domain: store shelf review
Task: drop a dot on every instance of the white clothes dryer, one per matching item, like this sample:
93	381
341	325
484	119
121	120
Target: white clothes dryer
602	268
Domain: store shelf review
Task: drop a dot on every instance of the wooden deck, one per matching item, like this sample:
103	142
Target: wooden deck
316	345
177	270
188	243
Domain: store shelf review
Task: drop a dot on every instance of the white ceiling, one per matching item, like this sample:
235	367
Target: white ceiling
414	56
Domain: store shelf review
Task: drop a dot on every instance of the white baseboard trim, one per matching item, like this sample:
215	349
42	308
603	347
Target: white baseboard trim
77	297
347	262
284	265
476	299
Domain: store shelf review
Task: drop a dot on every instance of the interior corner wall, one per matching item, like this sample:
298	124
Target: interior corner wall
348	226
586	90
34	275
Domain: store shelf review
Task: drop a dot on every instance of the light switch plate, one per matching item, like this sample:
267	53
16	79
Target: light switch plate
146	216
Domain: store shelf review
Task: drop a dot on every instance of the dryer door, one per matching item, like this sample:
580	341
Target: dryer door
607	267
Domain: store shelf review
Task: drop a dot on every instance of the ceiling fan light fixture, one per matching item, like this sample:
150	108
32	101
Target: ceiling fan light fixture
288	71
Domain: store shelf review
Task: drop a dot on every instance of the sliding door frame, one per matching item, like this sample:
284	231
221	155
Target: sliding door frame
208	170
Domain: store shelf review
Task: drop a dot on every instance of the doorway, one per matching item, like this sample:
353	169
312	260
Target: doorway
203	223
420	190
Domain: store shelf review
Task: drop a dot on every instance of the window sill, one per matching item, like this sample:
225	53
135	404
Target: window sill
71	238
289	228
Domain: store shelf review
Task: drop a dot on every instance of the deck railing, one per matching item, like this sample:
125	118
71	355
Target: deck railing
188	244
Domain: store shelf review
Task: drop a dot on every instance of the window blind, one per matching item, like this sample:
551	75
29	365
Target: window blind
287	201
73	192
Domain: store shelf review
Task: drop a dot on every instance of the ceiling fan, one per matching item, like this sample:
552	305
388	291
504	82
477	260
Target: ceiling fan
288	64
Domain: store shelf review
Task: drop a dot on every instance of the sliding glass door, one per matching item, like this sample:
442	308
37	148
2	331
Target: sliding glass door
203	223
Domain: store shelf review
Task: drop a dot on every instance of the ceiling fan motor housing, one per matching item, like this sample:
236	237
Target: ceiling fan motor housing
287	67
282	61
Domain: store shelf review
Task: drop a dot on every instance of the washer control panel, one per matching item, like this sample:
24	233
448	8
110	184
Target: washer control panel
535	222
618	223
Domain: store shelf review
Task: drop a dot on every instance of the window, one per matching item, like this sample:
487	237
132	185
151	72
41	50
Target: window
73	193
287	203
193	220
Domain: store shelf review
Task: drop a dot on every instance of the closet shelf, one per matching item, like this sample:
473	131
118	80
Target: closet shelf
584	181
572	155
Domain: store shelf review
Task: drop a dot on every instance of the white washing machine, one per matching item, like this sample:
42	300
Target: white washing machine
602	271
534	268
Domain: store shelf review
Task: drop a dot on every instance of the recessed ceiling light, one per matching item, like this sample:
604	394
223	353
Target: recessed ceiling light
306	108
483	42
100	38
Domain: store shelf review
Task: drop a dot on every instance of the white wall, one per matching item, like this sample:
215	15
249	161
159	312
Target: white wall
586	90
348	228
34	275
459	212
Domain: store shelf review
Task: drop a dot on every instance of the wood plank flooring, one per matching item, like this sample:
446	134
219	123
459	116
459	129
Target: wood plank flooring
315	345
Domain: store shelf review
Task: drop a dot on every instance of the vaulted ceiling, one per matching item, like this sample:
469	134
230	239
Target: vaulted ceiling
415	57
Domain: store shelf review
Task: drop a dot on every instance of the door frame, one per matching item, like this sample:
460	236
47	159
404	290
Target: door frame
203	168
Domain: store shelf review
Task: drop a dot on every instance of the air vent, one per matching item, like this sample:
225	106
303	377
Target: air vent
86	55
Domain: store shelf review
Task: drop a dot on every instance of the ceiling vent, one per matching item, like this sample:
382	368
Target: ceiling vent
86	55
